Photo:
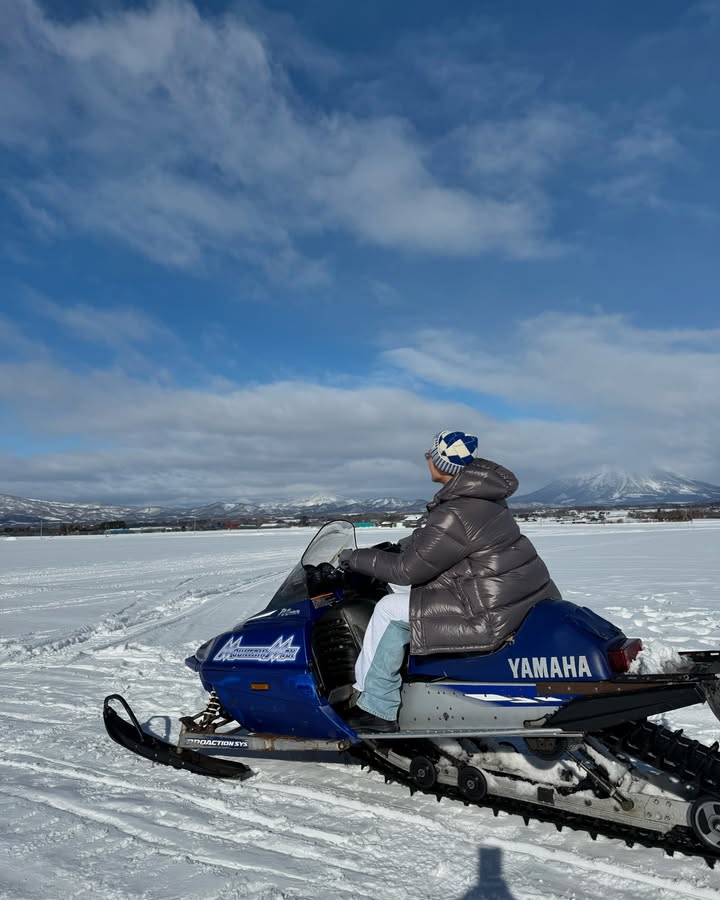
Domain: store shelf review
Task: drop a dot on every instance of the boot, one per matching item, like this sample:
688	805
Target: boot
362	721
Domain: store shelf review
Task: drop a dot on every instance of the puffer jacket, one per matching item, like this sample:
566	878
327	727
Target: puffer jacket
474	577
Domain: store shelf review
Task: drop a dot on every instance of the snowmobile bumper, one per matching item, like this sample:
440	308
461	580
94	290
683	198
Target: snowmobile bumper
129	734
704	662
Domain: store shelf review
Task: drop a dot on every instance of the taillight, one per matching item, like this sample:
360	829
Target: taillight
621	656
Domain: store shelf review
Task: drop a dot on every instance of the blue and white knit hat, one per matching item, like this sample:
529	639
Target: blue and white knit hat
452	450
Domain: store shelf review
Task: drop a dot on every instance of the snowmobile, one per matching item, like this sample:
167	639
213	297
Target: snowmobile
553	725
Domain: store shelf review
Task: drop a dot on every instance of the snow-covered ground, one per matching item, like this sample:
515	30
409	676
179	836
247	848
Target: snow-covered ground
81	617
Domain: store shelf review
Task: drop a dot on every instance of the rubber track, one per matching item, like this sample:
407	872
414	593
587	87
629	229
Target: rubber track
677	840
668	750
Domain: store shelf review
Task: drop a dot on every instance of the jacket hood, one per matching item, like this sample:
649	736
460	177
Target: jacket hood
481	478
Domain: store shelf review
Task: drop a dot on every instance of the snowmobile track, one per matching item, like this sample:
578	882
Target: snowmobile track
670	751
650	743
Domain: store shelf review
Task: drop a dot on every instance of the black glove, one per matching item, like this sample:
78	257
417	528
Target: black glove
320	579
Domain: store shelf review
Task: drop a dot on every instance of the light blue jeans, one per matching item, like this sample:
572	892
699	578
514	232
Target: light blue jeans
377	670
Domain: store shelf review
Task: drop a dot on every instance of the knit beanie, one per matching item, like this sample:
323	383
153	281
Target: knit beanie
452	450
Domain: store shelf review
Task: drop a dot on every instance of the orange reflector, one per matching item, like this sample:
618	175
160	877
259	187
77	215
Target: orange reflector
259	687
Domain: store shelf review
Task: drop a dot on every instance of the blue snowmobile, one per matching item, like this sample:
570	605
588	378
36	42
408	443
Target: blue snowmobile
552	725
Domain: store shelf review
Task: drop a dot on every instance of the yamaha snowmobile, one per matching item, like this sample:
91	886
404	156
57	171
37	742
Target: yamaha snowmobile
552	725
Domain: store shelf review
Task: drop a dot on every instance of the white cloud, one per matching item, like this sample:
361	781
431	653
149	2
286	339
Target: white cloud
648	141
631	189
423	215
112	326
181	134
148	442
650	393
612	393
530	145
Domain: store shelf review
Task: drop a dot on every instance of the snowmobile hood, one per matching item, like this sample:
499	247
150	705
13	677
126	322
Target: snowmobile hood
482	479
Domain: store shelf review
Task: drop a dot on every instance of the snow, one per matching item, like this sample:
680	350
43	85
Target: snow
656	658
81	617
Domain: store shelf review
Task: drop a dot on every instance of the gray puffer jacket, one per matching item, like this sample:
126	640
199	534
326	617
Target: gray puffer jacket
474	577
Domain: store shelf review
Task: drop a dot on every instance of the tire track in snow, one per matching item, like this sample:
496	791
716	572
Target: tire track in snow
159	844
276	824
29	717
57	604
130	622
267	858
545	855
417	819
618	872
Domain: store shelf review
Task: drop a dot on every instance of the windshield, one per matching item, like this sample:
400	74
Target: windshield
323	548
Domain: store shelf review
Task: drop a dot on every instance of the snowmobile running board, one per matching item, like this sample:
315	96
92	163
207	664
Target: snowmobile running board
467	733
131	736
239	742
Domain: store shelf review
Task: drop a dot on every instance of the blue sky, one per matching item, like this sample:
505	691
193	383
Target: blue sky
267	249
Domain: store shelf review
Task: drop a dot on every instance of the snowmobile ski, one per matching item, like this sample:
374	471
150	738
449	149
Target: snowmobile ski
131	736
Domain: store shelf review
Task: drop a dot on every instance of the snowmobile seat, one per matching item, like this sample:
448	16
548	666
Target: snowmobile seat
336	642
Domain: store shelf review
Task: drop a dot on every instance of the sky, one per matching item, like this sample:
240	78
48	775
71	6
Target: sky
268	249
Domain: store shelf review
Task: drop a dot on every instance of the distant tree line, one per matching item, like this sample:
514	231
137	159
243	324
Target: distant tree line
189	524
590	514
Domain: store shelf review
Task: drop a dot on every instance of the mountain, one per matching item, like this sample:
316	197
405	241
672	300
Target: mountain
323	506
606	487
24	511
614	487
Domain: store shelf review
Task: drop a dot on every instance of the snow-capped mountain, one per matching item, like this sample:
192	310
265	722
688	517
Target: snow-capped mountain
614	487
23	511
606	487
343	506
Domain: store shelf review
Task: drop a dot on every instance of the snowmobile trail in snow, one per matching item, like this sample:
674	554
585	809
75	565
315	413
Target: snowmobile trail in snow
136	620
618	873
74	808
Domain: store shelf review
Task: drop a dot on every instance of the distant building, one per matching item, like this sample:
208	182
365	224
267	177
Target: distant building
413	521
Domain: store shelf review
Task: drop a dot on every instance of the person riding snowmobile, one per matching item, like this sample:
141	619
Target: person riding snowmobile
473	577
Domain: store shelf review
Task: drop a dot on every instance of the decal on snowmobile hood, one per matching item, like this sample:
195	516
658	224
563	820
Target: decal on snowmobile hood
550	667
282	650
